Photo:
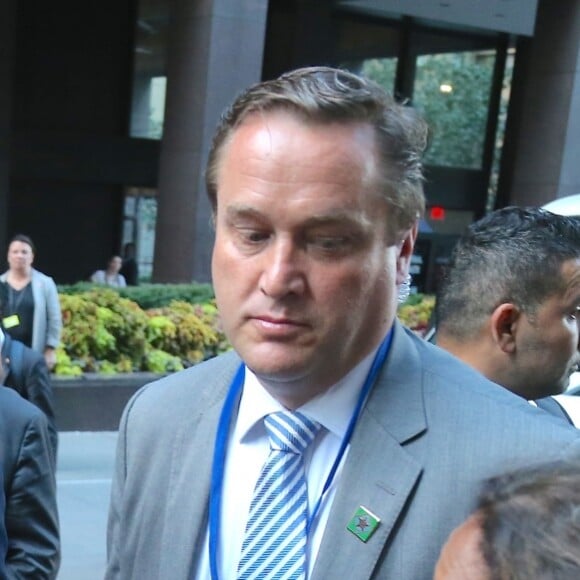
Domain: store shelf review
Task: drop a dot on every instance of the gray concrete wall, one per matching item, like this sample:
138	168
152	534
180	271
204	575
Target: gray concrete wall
93	402
216	51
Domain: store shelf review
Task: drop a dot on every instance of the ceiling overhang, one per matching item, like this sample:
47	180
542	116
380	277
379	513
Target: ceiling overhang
510	16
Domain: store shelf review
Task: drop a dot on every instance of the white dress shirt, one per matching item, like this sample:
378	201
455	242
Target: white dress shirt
249	447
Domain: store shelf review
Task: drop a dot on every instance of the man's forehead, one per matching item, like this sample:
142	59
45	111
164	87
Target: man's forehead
462	555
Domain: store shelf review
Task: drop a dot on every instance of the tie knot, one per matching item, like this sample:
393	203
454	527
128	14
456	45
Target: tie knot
290	431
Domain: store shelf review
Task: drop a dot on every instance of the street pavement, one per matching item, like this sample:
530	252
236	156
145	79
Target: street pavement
84	472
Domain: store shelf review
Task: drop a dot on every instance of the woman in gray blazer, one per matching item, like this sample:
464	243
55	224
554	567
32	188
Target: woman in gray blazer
31	310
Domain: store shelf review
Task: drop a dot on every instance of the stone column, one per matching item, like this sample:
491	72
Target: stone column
216	50
546	149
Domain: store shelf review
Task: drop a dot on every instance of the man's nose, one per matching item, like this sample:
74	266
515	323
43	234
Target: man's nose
283	271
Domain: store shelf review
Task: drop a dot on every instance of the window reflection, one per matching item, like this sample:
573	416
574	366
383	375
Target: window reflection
149	76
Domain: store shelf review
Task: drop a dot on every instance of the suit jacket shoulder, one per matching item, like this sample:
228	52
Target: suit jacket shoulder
200	385
431	432
30	489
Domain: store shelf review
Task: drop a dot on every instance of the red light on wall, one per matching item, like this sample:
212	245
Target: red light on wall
437	213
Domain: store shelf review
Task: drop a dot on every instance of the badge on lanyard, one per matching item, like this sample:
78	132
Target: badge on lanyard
11	321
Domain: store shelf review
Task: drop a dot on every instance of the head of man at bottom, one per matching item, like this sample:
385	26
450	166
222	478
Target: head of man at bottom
527	525
509	303
316	184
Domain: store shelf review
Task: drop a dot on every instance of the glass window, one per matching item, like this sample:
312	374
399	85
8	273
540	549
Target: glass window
381	70
139	220
453	90
149	77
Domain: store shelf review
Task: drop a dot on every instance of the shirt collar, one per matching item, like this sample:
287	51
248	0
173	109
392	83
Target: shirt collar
332	409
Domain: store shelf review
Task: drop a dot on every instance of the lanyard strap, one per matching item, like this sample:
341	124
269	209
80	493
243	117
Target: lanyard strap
222	437
217	474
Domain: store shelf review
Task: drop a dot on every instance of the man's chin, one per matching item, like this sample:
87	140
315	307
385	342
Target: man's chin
277	373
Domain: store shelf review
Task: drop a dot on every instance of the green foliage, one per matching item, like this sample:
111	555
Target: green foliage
151	295
457	119
107	333
64	366
159	361
381	70
187	330
159	295
416	312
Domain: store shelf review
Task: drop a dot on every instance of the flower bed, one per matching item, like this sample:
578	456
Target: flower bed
105	332
416	312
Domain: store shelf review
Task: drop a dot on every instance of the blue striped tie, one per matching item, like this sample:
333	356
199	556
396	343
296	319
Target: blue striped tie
275	540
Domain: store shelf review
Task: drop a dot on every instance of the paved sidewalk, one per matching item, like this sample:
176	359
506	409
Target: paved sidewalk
85	467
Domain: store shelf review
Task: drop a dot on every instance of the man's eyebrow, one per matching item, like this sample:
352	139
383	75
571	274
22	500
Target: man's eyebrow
338	217
234	211
330	217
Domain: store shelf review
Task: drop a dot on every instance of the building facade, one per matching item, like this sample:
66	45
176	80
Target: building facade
107	111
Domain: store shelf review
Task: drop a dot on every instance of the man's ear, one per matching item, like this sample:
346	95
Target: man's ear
504	322
405	252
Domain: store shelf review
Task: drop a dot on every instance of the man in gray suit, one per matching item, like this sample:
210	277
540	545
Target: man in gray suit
316	183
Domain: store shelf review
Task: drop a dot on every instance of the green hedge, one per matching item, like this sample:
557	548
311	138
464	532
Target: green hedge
151	295
106	331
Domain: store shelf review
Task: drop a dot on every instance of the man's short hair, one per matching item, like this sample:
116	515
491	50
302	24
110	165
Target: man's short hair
530	522
322	95
513	255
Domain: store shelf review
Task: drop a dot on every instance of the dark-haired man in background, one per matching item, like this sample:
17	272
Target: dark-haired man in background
509	303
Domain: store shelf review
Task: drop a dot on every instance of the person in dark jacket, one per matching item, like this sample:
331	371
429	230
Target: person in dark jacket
3	538
26	372
31	515
130	268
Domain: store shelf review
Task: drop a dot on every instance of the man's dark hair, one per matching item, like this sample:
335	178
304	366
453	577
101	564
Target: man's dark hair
322	95
530	521
512	255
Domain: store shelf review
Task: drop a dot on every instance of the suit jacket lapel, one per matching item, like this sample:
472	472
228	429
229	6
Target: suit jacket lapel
378	473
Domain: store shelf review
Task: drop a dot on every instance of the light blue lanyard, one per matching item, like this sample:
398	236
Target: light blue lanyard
219	456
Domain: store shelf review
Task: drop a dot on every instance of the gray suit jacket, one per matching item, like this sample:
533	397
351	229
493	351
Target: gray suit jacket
430	432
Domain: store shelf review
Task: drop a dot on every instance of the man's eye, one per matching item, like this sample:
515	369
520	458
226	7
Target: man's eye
575	314
329	243
253	236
